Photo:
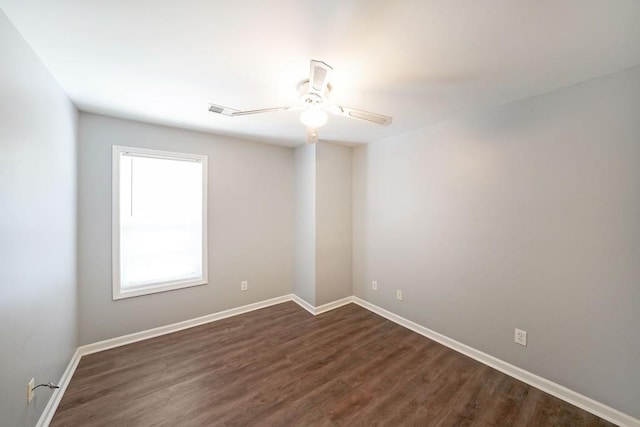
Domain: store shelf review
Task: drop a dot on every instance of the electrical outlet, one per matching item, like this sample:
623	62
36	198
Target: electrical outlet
244	285
521	337
30	387
399	294
374	285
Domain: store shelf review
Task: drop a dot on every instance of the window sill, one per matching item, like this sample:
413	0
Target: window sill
119	293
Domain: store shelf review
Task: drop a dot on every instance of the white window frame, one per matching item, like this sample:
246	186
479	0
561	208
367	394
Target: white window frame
118	292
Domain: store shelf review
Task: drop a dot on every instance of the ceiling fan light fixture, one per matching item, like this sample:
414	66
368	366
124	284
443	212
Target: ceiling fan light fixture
313	117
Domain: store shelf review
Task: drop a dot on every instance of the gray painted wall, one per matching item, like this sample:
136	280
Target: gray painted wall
333	222
250	210
37	229
304	166
526	216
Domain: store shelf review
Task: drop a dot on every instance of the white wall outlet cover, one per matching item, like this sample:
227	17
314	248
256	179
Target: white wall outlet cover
520	337
30	386
374	285
399	294
244	285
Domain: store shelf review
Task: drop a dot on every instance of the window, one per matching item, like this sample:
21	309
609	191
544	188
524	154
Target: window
159	221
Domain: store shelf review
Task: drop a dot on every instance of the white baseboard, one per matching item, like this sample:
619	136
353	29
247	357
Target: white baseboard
175	327
321	308
561	392
601	410
333	305
56	396
304	304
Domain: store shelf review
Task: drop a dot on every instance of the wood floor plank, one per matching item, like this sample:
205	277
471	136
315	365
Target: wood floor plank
281	366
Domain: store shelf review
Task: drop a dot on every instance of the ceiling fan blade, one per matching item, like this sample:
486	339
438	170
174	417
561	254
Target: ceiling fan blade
319	77
363	115
214	108
263	110
312	135
220	109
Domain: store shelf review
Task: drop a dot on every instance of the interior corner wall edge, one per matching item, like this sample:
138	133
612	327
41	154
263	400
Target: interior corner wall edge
37	227
304	254
333	222
526	216
250	231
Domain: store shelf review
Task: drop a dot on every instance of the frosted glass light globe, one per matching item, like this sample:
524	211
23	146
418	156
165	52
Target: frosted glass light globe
313	117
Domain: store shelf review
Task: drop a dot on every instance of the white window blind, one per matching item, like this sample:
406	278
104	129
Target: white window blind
161	224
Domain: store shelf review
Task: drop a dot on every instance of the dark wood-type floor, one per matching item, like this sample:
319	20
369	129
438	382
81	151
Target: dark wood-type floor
280	366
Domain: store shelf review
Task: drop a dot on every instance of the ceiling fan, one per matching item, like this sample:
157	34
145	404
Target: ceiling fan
314	103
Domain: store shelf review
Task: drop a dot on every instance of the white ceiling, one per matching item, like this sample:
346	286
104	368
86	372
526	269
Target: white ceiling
419	61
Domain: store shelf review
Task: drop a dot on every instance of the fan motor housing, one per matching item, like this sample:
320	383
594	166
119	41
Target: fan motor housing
311	99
